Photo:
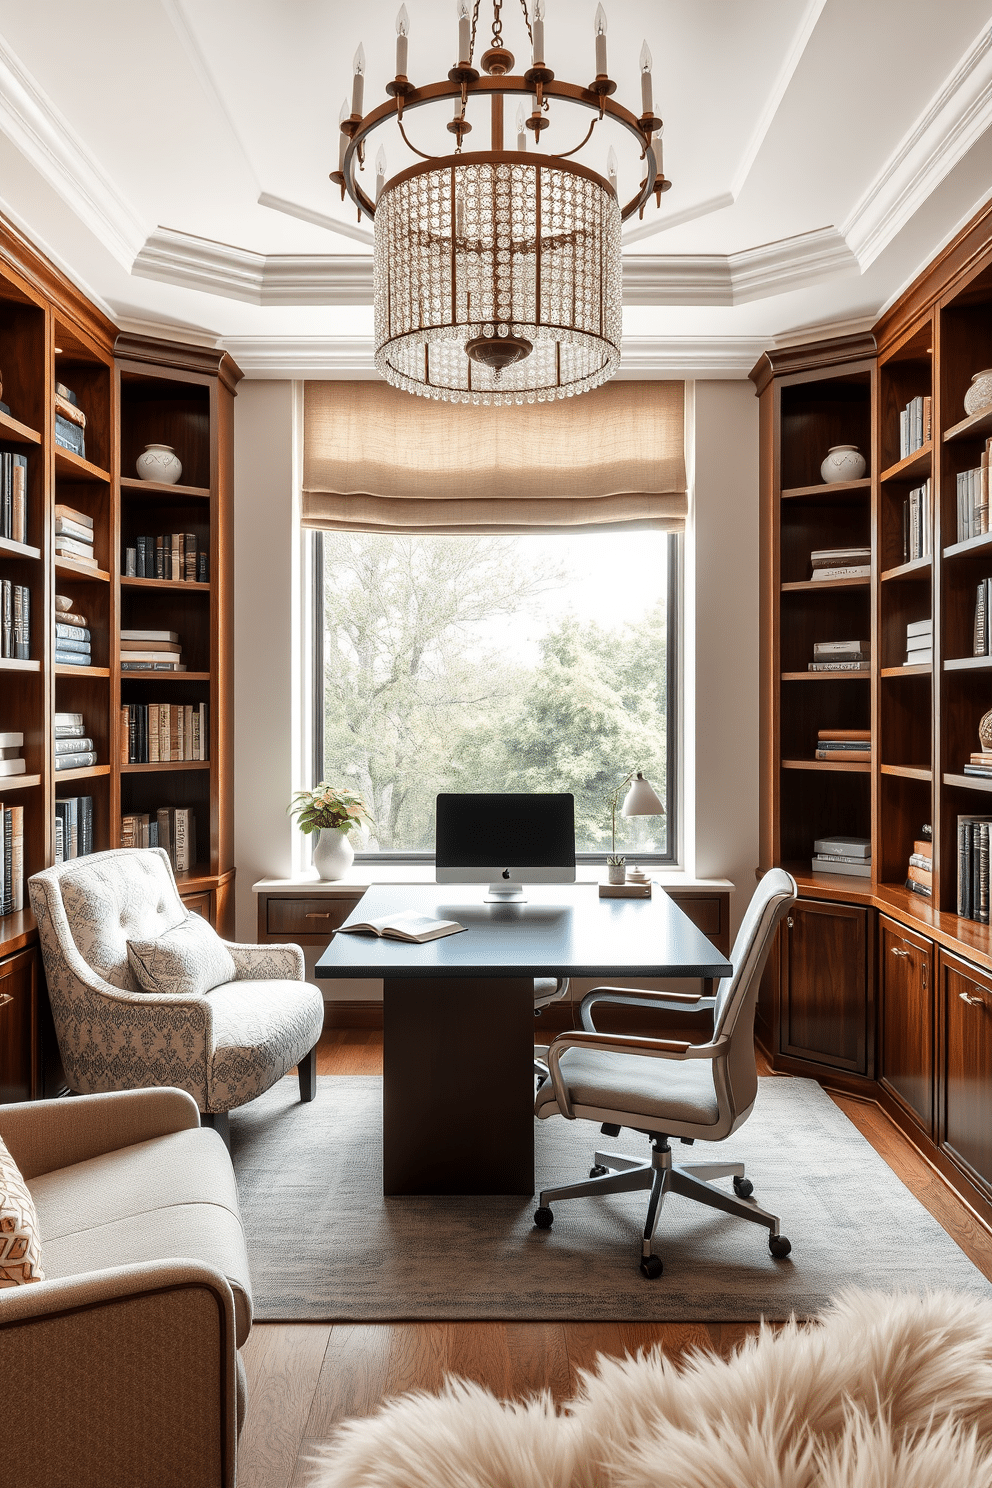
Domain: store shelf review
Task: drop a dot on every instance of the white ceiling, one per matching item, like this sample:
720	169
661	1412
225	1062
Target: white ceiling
173	155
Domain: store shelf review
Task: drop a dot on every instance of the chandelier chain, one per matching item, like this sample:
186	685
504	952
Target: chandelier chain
497	23
523	7
475	22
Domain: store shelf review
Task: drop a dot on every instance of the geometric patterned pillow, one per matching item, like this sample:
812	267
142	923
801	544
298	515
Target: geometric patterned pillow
186	961
20	1243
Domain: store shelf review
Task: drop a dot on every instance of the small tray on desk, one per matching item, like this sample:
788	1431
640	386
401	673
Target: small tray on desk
625	891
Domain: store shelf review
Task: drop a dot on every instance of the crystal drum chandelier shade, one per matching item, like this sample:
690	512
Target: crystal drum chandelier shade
498	275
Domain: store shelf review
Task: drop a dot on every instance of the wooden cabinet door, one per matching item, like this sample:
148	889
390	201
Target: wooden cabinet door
965	1083
824	989
905	969
18	1039
202	904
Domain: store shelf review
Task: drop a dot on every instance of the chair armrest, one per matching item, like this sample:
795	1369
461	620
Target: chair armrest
256	963
621	1043
127	1375
46	1135
638	997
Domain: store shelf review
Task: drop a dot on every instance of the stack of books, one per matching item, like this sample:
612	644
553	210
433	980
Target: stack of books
155	732
15	620
70	421
841	656
850	745
919	643
74	750
841	563
919	879
151	651
74	536
11	859
973	868
850	855
72	634
139	830
915	426
14	497
173	555
73	828
980	765
11	761
916	512
973	498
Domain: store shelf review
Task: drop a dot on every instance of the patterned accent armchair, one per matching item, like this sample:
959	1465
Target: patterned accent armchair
224	1047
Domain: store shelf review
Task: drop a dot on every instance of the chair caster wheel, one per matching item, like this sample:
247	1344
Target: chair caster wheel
779	1246
652	1267
543	1218
743	1188
598	1171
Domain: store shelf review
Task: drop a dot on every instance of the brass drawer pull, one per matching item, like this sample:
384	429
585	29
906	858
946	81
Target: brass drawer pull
5	997
896	951
790	922
971	1000
318	917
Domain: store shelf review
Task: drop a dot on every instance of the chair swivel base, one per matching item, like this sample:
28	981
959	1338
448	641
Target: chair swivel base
613	1173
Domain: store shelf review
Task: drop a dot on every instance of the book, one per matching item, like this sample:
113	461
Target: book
132	648
823	650
918	888
12	766
70	411
921	860
72	658
61	552
68	720
137	652
73	744
829	557
149	635
73	547
920	627
69	617
853	756
848	847
852	734
66	393
847	571
409	926
12	740
75	761
153	666
839	666
71	514
65	527
71	632
981	772
851	866
68	435
918	658
67	643
848	745
920	875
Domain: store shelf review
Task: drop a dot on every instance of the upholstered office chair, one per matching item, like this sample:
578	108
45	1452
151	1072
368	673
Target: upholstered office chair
702	1092
546	991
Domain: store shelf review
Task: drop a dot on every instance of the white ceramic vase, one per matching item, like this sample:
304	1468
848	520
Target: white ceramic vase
159	463
617	872
333	854
979	395
844	462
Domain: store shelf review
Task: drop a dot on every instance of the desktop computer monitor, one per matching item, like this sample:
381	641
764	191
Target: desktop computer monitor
505	841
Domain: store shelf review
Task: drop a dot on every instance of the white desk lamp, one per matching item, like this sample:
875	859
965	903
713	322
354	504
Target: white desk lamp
641	800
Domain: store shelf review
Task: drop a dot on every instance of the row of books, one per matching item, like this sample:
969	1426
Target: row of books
917	541
841	656
919	877
156	732
973	868
15	620
919	643
850	855
11	760
915	426
972	490
14	496
74	749
11	859
74	536
983	614
849	746
73	828
70	421
171	827
151	650
840	563
172	555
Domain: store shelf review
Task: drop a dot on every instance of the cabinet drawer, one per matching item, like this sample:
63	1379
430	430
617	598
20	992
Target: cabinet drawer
705	914
201	904
905	968
18	992
316	916
965	1018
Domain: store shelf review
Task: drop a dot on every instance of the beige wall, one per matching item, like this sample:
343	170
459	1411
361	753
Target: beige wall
721	638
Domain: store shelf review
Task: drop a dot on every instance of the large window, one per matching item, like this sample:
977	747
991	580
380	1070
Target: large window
532	663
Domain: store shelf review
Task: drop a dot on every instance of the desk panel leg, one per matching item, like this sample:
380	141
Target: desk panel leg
458	1086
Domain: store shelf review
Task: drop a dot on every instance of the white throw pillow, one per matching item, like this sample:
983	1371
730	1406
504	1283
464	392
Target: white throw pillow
186	961
20	1244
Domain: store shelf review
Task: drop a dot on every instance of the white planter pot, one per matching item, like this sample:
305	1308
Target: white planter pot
333	854
159	463
616	872
844	462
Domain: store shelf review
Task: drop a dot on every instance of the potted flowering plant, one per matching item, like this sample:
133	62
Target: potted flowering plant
331	811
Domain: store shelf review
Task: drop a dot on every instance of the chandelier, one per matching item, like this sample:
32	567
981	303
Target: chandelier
497	274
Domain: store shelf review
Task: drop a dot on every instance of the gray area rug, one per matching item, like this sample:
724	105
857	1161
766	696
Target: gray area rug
325	1245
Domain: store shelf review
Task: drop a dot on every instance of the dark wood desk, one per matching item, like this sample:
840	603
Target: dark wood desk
458	1016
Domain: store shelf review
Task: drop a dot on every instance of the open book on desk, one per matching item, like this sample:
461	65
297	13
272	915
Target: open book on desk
406	926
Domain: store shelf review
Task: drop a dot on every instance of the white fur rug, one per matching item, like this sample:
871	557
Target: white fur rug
881	1392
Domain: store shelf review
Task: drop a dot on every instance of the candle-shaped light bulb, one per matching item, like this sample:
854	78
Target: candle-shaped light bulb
464	30
521	128
611	167
402	32
358	86
599	25
538	29
342	137
380	172
647	96
460	217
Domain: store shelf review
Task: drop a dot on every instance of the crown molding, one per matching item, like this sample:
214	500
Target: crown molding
959	112
49	143
675	219
319	219
736	278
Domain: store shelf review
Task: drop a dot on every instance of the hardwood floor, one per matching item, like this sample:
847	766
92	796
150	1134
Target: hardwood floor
303	1378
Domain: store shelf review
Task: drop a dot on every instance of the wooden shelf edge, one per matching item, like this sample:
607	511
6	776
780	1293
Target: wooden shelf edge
910	465
968	664
17	930
163	765
12	549
973	427
74	466
924	670
85	772
17	782
908	772
805	586
167	676
159	488
916	568
968	782
850	767
864	676
976	545
836	488
81	570
64	669
12	431
132	582
14	664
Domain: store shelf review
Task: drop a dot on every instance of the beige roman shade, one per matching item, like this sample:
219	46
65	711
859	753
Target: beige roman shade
378	460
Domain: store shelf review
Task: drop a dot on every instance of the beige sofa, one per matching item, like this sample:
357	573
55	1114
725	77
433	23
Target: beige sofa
122	1366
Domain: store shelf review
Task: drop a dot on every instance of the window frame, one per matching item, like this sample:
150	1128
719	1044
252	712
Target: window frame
672	856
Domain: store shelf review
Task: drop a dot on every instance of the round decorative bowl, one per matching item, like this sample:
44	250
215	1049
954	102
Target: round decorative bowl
159	463
844	462
985	734
979	395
